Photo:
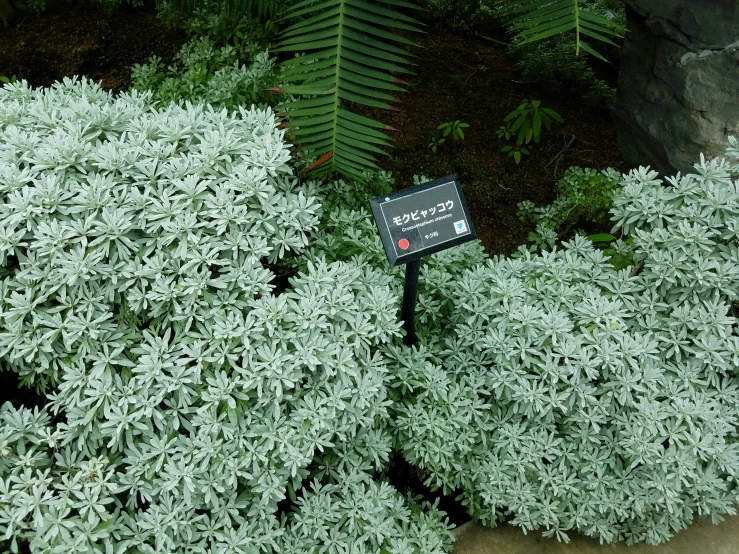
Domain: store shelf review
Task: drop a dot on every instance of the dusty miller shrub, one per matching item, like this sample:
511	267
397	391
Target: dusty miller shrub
188	398
569	395
562	393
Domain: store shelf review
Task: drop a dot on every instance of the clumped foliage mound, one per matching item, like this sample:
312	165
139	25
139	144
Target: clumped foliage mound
115	215
570	395
559	392
357	514
190	391
188	397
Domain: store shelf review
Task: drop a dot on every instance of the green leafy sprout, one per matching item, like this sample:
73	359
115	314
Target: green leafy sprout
525	123
453	129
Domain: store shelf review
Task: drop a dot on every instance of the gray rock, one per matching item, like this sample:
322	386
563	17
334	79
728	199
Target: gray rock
678	89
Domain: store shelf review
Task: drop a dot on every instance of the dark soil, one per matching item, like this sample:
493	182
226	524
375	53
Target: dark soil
409	480
11	391
458	76
82	39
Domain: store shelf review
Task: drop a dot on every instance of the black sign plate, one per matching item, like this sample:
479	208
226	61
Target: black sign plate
421	220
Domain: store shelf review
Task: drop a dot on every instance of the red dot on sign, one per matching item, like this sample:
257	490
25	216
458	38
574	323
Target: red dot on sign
404	244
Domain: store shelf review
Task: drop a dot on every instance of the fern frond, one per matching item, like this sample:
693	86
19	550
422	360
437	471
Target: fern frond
347	55
534	20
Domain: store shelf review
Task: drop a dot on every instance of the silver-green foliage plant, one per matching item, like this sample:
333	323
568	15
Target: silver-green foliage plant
568	395
355	514
123	216
204	72
188	397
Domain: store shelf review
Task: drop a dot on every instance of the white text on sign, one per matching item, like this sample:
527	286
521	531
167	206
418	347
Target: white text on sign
413	216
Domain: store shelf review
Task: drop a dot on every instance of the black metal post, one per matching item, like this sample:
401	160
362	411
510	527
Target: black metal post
408	311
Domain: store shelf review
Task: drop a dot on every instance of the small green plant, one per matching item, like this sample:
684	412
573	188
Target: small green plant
515	152
620	252
455	129
6	80
584	195
435	143
525	123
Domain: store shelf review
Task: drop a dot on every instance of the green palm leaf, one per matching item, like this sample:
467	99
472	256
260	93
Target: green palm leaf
534	20
347	54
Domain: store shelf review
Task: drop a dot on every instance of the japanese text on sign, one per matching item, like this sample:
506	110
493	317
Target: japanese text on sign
413	216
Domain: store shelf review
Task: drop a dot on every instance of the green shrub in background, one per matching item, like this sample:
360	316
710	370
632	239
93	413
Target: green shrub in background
189	396
568	395
215	21
583	195
176	11
263	10
456	13
204	72
551	62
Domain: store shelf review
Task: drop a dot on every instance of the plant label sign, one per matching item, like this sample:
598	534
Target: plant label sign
421	220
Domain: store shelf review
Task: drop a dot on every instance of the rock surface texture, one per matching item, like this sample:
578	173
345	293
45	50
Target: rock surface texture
678	89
